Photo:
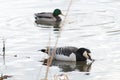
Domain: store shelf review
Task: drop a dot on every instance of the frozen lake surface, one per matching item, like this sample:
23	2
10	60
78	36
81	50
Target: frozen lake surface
94	24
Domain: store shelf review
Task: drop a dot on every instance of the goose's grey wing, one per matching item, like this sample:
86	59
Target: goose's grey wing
66	50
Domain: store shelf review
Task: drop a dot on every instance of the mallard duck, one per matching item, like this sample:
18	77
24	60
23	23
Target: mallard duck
69	53
47	18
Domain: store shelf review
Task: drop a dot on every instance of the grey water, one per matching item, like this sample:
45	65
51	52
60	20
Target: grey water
94	24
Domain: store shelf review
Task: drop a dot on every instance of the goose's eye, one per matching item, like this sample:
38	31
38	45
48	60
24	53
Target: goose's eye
85	54
89	57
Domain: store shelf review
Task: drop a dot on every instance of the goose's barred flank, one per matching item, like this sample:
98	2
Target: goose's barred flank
66	50
70	53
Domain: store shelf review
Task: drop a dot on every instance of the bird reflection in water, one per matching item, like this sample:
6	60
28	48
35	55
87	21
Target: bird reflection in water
55	26
81	66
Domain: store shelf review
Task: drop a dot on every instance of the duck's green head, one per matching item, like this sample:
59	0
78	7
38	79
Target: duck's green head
57	12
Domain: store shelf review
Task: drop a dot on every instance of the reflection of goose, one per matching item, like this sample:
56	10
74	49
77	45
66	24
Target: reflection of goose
65	66
47	18
69	53
83	66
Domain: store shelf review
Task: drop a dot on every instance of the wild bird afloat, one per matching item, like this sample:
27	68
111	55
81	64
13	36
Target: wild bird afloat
48	18
69	53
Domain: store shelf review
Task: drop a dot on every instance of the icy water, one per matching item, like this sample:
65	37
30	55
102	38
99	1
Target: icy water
94	24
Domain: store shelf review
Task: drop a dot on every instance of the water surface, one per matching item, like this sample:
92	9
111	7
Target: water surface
90	23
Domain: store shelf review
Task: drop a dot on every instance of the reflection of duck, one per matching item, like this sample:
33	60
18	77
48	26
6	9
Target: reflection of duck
47	18
69	53
65	66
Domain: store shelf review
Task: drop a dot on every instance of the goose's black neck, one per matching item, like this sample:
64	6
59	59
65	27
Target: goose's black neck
80	57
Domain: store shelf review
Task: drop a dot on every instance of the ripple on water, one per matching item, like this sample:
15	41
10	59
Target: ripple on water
113	32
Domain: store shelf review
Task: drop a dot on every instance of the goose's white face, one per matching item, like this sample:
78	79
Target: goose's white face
87	55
